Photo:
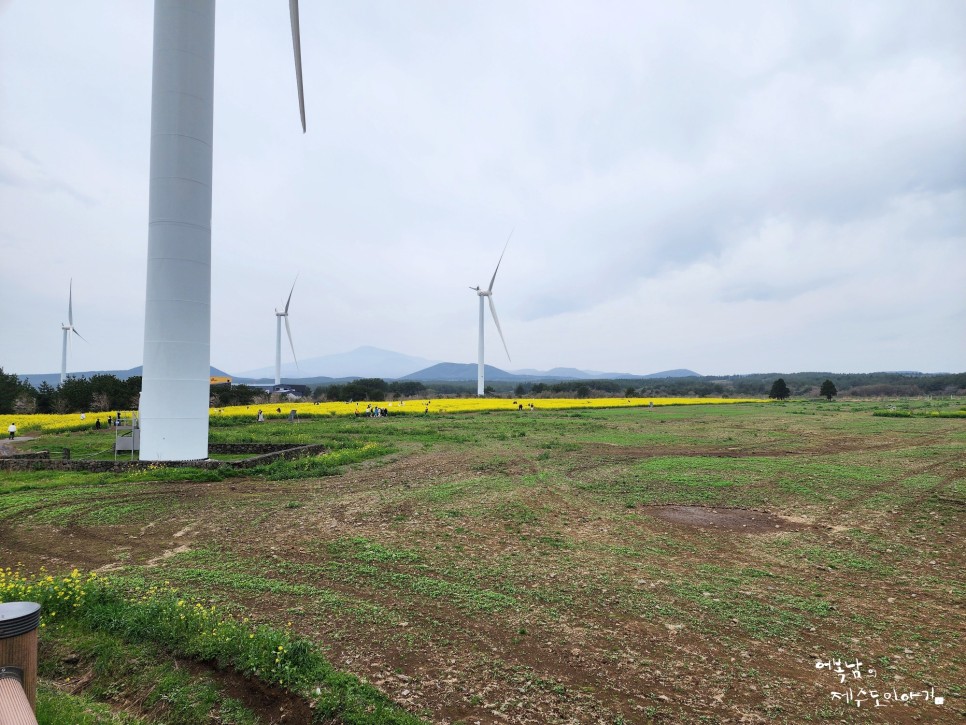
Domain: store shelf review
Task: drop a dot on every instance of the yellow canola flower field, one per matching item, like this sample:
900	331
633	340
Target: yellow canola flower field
460	405
55	422
59	423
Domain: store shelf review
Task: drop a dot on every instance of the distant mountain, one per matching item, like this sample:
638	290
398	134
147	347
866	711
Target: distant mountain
53	379
363	362
575	374
676	373
374	362
460	372
562	373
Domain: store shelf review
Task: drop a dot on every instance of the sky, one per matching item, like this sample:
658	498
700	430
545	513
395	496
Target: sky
726	187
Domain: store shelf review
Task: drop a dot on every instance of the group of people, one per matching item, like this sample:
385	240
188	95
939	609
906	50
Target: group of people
113	421
374	412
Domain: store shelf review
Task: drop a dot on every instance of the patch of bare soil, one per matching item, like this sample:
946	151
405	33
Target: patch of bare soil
592	455
271	705
746	521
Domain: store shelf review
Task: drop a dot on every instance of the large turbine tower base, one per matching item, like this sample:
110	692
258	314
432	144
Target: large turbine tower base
177	317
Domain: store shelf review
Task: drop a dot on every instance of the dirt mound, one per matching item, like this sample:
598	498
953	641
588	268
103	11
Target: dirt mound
746	521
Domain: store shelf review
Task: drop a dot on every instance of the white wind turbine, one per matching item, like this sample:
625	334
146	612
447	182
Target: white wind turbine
177	312
488	294
68	328
278	336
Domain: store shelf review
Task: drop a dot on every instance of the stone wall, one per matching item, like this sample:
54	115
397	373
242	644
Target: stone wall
27	454
41	461
253	448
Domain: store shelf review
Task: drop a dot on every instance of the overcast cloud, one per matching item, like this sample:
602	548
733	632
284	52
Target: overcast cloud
727	187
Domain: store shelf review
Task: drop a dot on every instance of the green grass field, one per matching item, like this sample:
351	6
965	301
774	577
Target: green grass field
672	565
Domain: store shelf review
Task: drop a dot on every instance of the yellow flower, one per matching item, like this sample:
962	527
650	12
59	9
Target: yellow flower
464	405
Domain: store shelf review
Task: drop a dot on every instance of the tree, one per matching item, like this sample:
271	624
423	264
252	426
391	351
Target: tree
630	393
75	394
779	390
110	391
335	392
365	389
582	391
828	390
46	394
406	387
11	388
225	394
25	403
133	390
519	390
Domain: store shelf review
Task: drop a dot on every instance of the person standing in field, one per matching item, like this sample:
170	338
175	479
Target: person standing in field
12	430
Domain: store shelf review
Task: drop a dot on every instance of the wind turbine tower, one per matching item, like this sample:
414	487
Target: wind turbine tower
177	314
67	329
278	336
488	295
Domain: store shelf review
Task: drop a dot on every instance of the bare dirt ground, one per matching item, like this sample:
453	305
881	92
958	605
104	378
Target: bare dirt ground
725	519
489	584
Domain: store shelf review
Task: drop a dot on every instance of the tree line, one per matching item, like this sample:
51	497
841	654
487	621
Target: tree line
800	385
101	393
107	392
96	393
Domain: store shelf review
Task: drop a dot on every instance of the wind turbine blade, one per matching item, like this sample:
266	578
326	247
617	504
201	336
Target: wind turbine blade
80	336
293	11
70	303
490	288
288	331
497	321
290	296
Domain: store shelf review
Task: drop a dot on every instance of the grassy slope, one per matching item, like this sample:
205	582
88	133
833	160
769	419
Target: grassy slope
489	535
